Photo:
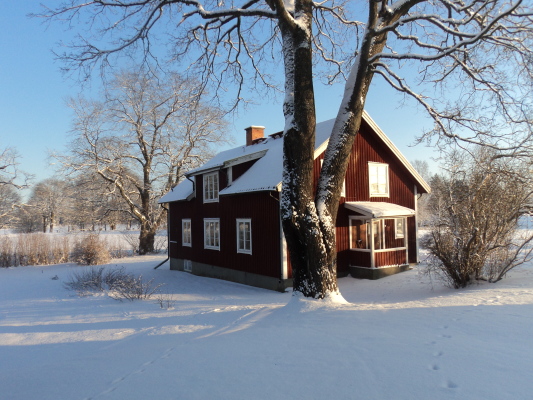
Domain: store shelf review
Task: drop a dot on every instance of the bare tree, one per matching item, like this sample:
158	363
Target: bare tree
11	179
423	214
141	140
476	206
9	200
48	200
465	62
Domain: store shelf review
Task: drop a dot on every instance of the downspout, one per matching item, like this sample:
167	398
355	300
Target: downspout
417	244
168	239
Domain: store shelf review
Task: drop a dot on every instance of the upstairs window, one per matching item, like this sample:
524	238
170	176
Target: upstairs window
211	187
186	238
212	234
244	236
378	178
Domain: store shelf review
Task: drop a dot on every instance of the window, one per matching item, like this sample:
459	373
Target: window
358	234
186	239
244	236
211	187
187	265
399	228
378	178
377	230
212	234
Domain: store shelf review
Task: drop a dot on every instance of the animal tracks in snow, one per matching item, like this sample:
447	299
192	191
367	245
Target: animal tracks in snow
438	355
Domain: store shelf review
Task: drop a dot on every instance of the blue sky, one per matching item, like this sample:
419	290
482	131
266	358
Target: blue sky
34	118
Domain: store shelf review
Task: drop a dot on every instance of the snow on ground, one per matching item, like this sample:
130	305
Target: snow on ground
401	337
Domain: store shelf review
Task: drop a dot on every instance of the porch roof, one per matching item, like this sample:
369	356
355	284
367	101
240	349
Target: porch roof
379	209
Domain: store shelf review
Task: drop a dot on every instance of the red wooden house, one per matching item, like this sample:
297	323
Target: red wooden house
224	219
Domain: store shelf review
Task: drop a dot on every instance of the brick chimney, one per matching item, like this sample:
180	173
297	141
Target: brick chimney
253	133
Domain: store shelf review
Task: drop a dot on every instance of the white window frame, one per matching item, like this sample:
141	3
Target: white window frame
212	242
187	265
399	233
377	167
241	246
186	239
210	187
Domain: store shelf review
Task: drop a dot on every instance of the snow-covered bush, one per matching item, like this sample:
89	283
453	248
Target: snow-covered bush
116	282
86	280
91	250
476	207
134	288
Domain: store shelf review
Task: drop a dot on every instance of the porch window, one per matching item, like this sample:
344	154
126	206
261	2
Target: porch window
358	234
212	234
211	187
186	238
399	228
244	236
377	230
378	178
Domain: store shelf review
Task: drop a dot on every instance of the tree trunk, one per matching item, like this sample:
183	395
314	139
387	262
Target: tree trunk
309	221
146	240
52	217
311	244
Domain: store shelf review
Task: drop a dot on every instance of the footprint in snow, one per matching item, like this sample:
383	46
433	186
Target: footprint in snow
451	385
434	367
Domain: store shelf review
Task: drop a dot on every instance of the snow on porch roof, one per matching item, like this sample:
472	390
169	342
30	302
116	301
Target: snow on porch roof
378	209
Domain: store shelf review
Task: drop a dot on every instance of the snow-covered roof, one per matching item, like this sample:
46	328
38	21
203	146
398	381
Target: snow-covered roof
378	209
183	191
266	173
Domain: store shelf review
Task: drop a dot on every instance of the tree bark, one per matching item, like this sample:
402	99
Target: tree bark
146	240
311	255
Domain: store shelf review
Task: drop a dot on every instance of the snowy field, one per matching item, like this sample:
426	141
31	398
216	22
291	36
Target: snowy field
401	337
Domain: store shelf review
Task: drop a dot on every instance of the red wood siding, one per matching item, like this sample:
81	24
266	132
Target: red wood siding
387	258
240	169
369	148
360	258
263	210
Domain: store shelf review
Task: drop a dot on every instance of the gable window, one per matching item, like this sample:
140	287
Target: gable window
212	234
378	178
399	228
186	238
211	187
244	236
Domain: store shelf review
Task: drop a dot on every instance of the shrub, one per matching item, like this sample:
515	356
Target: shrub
134	288
86	280
91	250
117	282
476	210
